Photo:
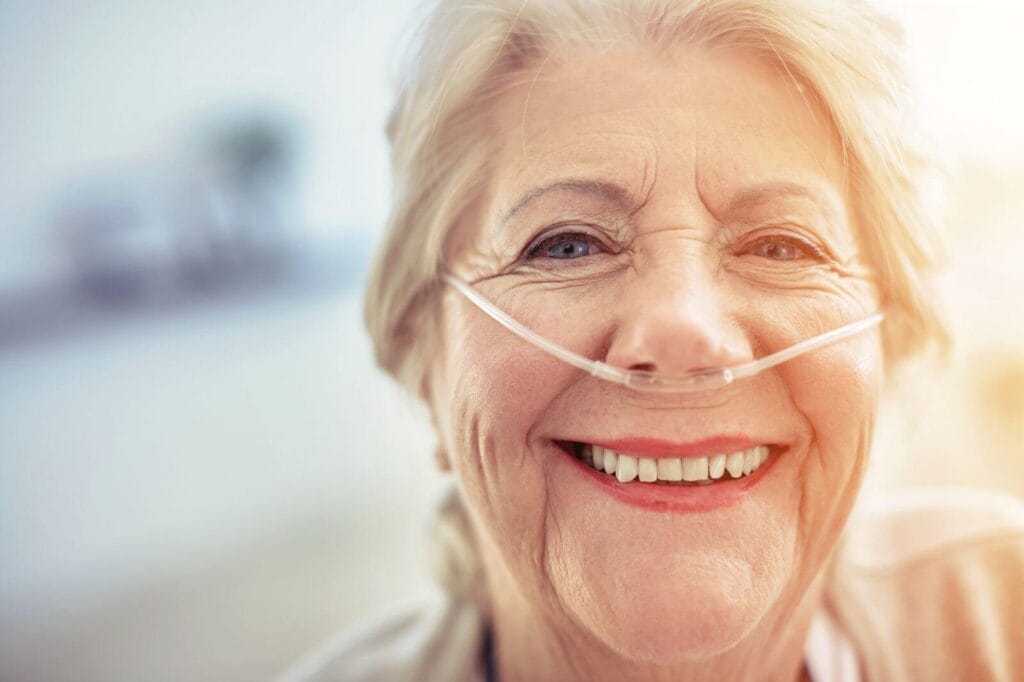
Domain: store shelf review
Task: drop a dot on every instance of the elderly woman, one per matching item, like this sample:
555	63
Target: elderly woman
649	264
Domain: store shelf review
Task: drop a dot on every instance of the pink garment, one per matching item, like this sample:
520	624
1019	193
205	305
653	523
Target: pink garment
929	585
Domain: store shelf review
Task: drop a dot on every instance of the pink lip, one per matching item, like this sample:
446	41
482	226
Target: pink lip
653	448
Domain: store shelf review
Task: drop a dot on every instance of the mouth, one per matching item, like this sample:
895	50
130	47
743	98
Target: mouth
665	469
664	476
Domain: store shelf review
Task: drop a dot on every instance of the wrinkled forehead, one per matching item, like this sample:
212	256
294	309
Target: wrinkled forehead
669	130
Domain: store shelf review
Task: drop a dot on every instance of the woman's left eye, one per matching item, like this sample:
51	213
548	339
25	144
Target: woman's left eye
779	248
565	246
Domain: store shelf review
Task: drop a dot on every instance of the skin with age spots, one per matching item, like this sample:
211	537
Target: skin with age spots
668	212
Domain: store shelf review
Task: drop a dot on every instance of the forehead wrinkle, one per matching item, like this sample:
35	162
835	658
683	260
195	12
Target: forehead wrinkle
646	186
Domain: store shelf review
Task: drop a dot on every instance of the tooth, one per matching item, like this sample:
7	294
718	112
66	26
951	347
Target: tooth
734	463
749	460
626	470
587	455
716	465
670	469
647	470
610	461
762	455
695	469
599	458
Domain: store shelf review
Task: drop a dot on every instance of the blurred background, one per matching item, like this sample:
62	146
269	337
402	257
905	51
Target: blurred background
202	474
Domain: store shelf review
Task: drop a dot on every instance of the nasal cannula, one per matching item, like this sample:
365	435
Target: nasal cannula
653	382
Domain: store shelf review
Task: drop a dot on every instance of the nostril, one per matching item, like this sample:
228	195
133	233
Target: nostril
643	367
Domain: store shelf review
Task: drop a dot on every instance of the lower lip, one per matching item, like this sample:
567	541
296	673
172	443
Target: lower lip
682	499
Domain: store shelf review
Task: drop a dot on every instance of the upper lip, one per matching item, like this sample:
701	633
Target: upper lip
655	448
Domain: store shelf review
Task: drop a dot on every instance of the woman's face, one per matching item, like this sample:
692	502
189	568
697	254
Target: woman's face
667	213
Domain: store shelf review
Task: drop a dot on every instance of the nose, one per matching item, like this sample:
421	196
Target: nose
674	320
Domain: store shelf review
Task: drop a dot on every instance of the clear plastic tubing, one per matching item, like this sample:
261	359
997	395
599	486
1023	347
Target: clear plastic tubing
653	382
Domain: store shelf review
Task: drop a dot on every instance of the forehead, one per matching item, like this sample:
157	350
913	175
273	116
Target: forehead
668	127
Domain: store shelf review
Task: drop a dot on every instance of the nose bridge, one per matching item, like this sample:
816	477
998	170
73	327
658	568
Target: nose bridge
677	315
675	271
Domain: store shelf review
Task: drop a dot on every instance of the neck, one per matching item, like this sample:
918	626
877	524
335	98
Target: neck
545	644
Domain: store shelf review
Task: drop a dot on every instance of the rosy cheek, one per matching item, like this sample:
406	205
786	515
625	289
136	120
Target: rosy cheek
836	393
497	371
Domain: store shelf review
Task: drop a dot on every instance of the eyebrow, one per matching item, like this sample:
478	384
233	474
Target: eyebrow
605	191
758	194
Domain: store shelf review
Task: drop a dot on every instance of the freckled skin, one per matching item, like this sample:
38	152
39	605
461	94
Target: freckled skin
584	586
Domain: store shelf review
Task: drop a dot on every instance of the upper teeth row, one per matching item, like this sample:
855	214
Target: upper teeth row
647	469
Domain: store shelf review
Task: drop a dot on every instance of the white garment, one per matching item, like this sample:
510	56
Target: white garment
829	654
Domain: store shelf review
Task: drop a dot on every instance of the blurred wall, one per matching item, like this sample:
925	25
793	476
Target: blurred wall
201	472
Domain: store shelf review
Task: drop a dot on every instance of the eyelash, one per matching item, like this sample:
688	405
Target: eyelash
808	247
547	237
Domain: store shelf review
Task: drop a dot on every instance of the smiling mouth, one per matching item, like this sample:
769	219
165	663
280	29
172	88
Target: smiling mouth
676	471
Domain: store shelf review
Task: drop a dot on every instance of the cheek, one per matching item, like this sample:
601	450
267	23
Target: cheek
836	392
493	391
495	383
834	389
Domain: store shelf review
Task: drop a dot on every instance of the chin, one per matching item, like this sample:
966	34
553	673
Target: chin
678	607
654	630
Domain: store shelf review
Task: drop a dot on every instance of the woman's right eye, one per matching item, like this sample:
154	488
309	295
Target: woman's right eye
565	246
